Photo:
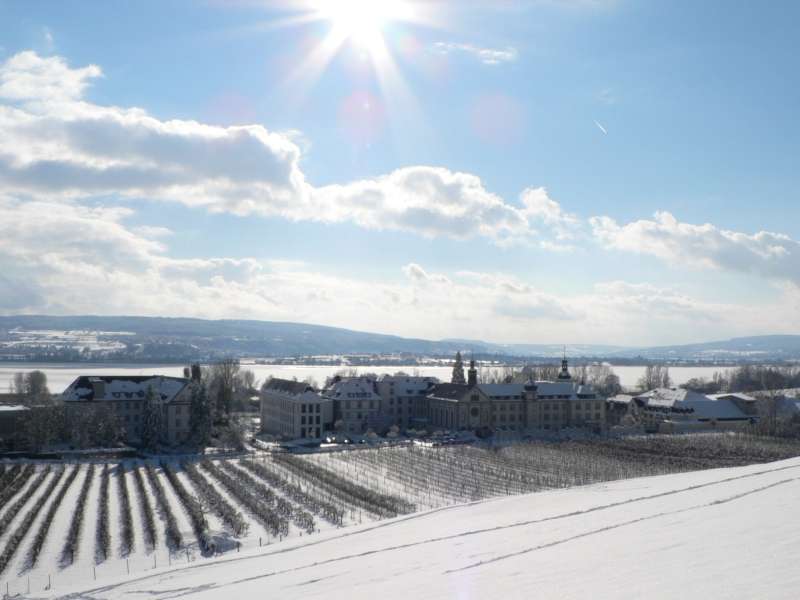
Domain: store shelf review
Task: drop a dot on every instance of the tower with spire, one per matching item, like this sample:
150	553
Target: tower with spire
458	371
564	373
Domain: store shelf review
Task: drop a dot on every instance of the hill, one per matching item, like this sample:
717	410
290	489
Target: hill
168	339
724	533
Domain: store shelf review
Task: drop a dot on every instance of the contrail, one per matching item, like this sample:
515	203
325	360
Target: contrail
601	128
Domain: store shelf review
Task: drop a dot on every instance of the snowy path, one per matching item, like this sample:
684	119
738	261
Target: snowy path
726	533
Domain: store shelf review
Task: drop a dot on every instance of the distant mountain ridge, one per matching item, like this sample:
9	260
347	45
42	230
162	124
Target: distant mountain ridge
172	338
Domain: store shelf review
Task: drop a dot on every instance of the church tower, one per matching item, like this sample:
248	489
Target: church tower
564	374
472	374
458	371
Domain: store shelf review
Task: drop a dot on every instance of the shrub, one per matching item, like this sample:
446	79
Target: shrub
150	535
174	537
193	509
232	518
125	517
73	536
44	527
103	537
246	493
15	539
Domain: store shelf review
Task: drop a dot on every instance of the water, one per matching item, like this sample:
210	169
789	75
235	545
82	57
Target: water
59	376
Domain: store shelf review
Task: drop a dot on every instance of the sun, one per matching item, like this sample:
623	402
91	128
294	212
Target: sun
362	21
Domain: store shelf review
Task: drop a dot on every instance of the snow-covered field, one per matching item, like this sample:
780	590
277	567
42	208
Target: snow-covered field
724	533
46	501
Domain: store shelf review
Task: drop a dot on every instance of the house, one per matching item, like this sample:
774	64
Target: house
124	396
294	409
674	409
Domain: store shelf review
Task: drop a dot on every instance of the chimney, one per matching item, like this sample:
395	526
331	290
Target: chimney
197	375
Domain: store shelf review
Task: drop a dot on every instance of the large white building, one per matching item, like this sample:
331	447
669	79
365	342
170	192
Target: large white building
356	404
540	405
124	396
294	410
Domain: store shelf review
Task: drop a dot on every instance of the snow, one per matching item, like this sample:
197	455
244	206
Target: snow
725	533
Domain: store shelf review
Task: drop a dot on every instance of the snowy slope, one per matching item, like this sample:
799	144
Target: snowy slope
726	533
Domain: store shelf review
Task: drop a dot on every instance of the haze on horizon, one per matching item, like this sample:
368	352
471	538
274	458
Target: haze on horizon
540	171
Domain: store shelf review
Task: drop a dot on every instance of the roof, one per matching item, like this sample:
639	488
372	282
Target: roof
123	387
449	391
12	408
494	390
572	390
288	386
363	386
736	395
621	399
701	406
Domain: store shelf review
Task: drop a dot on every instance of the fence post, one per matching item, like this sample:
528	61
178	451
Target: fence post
128	565
187	554
94	572
154	560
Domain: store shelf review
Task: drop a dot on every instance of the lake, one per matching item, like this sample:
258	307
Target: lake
59	376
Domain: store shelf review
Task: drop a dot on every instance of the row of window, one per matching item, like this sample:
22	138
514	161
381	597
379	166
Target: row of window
312	408
310	420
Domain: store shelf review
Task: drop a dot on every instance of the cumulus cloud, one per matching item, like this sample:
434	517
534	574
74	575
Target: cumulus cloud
28	76
488	56
538	206
768	254
55	143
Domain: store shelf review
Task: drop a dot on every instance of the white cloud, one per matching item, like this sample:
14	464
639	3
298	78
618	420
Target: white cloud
539	207
767	254
60	258
28	76
55	143
488	56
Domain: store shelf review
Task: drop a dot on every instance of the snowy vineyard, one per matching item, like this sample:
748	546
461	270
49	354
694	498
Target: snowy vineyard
75	523
66	523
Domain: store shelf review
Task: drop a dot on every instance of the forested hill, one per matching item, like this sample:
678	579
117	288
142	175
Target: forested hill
180	339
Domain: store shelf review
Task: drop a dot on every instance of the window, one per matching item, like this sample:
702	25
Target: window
317	408
303	420
317	419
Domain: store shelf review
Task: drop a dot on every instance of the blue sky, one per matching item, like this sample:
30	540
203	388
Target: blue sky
554	170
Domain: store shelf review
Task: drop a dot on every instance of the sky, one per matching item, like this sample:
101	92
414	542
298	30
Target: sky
541	171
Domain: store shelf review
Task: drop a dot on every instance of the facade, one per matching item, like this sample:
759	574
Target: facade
124	397
356	404
541	405
403	399
295	410
12	418
360	404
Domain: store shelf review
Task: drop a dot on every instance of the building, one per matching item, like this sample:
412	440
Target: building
294	410
12	417
124	396
541	405
403	399
356	404
677	409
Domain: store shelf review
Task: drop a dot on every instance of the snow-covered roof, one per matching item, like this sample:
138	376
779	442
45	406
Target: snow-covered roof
495	390
352	387
737	395
701	406
12	407
123	387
